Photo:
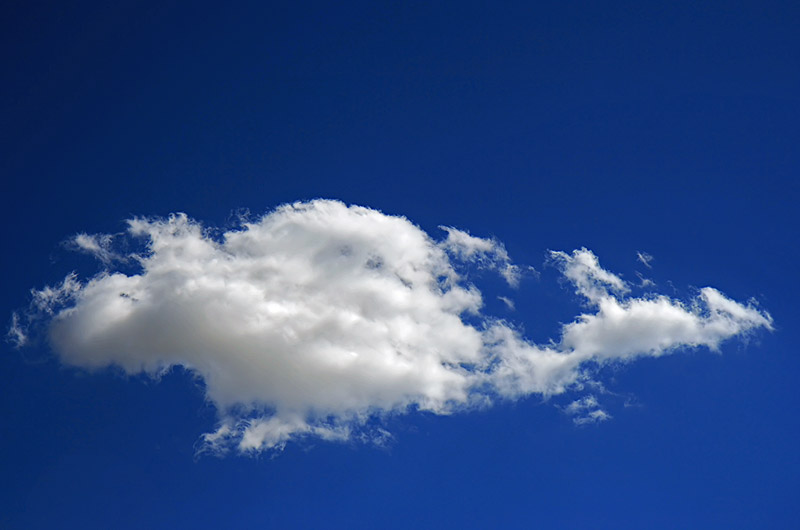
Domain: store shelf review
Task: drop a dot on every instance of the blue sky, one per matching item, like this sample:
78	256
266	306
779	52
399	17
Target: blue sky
666	129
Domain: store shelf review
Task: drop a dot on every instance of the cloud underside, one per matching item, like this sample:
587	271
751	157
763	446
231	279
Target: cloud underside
319	318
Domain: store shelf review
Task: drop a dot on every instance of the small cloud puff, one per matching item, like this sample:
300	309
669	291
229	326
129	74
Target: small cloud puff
644	283
507	301
586	410
644	258
488	253
97	245
320	317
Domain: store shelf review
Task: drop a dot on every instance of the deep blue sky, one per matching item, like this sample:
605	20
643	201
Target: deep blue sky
671	128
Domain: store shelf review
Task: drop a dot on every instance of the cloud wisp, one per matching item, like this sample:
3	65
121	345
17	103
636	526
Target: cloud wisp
319	317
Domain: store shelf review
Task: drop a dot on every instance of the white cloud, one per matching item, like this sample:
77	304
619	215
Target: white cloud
586	410
583	269
622	329
318	317
97	245
592	416
507	301
644	283
488	253
644	258
16	333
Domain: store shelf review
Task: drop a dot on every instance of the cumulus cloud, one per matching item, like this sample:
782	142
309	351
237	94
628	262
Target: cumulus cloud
319	317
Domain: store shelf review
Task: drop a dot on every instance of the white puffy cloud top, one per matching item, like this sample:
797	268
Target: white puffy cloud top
320	316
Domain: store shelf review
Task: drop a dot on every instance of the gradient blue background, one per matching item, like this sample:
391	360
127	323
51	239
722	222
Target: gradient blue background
670	127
